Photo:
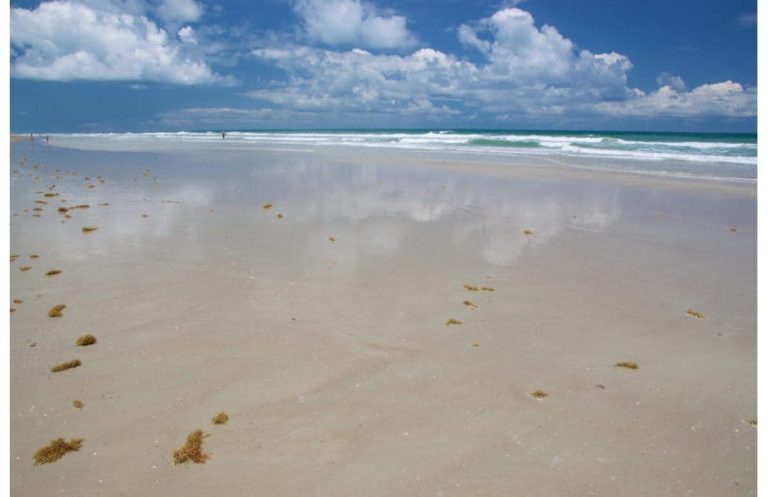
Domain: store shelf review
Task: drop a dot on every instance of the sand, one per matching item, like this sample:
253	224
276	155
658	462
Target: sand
333	360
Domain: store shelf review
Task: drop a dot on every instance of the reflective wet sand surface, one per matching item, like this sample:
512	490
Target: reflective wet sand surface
319	326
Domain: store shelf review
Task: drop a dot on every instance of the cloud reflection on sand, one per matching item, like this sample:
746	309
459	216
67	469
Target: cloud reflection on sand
384	211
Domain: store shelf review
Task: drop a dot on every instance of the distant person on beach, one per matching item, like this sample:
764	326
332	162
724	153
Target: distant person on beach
223	134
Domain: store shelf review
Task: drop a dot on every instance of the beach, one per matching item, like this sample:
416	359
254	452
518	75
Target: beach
305	290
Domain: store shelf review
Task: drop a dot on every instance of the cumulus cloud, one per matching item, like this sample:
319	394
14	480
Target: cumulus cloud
719	99
357	79
350	22
521	70
179	10
674	82
66	40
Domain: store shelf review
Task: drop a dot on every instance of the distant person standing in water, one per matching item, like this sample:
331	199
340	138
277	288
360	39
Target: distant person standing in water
223	134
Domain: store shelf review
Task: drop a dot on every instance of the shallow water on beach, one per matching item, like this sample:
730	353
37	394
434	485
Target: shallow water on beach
723	157
320	325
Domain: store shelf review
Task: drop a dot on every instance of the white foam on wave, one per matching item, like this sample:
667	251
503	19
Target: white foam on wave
582	146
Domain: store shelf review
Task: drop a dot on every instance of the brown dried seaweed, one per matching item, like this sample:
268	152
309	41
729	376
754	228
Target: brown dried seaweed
192	450
56	450
85	340
627	364
55	311
220	419
65	366
695	314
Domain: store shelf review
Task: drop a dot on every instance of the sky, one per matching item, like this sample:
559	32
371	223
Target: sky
167	65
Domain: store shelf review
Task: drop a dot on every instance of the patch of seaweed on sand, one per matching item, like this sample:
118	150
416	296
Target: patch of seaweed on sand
538	394
55	311
192	450
66	365
85	340
627	365
695	314
56	450
452	322
220	419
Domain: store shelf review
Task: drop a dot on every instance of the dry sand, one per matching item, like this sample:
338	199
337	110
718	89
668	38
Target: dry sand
333	360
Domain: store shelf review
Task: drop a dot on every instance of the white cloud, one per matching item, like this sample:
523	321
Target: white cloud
718	99
350	22
356	79
187	35
674	82
524	71
68	40
747	20
179	10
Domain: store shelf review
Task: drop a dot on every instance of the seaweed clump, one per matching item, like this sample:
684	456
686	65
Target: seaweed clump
57	449
470	304
53	272
488	289
88	229
695	314
266	206
192	450
538	394
528	232
471	288
627	364
453	322
220	419
85	340
55	311
66	365
77	404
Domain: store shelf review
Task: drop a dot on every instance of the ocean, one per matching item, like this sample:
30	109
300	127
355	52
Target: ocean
715	156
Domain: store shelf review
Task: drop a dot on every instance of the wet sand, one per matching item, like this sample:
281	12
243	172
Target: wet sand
333	359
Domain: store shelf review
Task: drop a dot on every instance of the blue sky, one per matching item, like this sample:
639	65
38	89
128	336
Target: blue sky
145	65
